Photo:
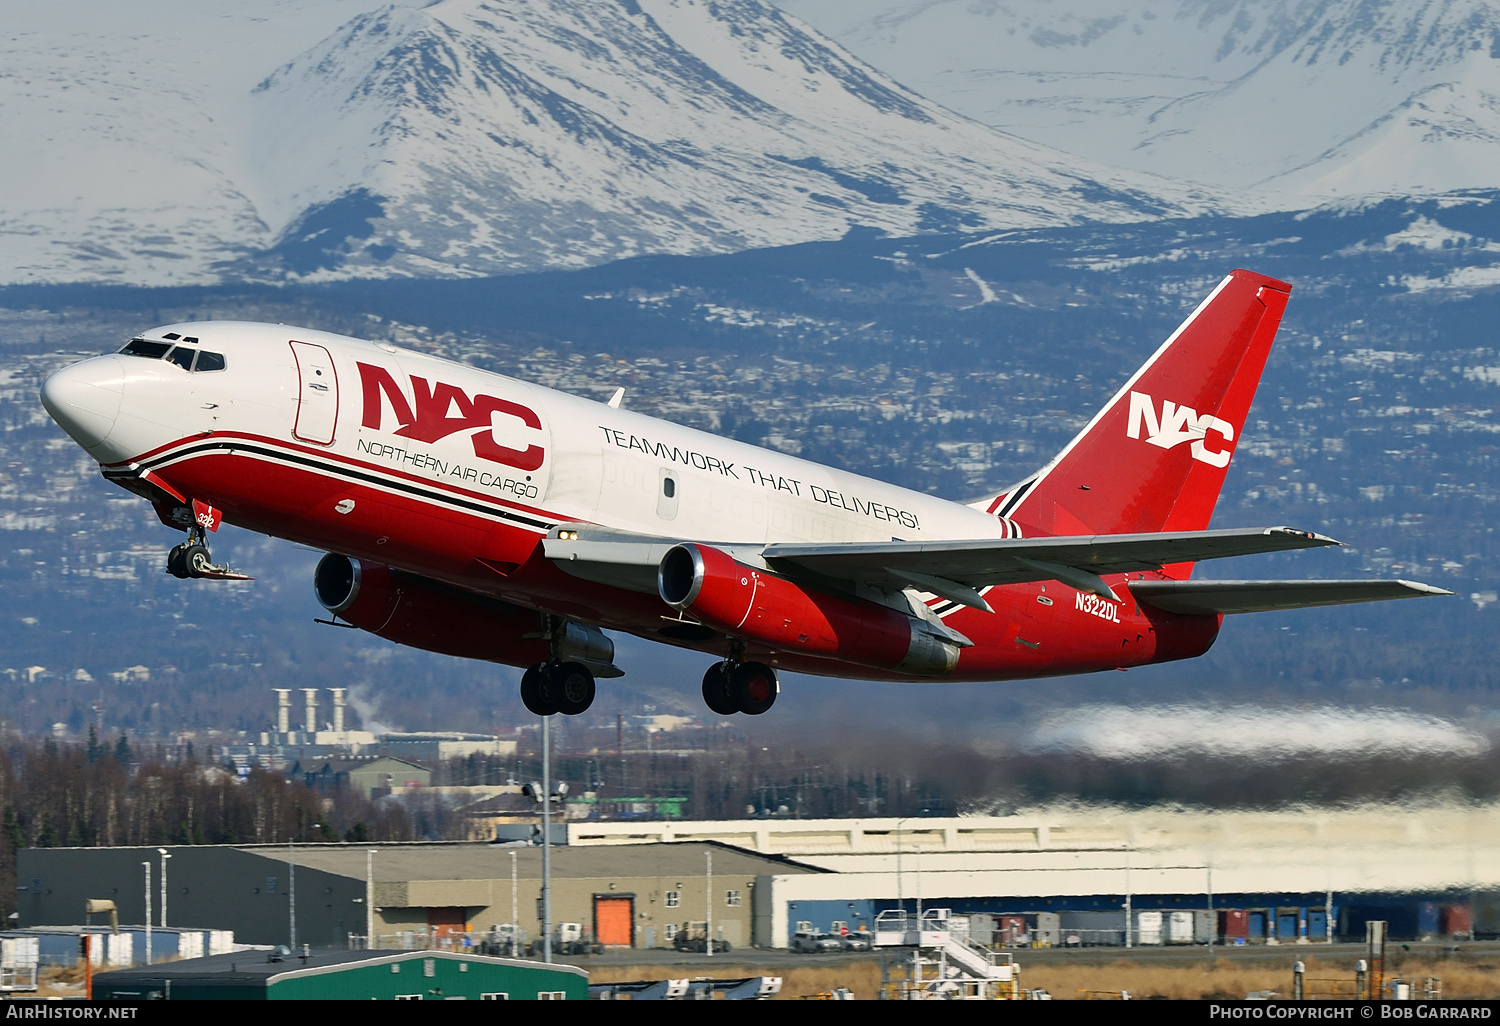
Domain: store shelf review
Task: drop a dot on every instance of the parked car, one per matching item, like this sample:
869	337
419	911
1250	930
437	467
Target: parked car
857	940
808	941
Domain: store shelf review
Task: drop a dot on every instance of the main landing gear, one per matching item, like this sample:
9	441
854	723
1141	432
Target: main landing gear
730	687
551	688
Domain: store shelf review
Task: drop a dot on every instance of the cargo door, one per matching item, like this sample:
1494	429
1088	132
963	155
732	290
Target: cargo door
445	922
614	920
317	394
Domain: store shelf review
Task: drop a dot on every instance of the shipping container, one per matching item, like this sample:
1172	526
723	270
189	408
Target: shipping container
1013	932
1427	919
1148	928
19	951
1203	926
982	929
1048	929
1234	925
1457	920
1179	928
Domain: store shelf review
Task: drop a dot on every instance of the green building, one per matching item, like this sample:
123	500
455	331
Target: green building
345	976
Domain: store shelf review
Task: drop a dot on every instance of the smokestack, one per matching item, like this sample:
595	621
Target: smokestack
338	709
283	709
312	710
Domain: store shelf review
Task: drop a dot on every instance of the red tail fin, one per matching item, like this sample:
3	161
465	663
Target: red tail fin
1154	459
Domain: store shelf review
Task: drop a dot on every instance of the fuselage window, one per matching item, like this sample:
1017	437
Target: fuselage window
209	361
668	487
182	357
143	347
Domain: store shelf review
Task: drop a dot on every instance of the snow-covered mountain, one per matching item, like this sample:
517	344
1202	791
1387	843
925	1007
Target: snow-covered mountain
1303	100
184	140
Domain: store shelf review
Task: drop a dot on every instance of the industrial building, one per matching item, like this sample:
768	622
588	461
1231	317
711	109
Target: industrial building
345	976
422	894
1066	876
1289	876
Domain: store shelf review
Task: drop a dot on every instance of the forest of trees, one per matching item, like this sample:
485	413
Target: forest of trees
83	795
118	792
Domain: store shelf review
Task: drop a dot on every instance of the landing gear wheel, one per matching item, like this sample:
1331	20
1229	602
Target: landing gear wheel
536	695
753	688
176	564
571	685
716	690
196	560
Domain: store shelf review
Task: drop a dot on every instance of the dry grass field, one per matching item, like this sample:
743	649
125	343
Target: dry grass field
1225	978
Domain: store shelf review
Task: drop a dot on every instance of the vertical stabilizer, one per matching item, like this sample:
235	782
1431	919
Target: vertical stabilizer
1154	458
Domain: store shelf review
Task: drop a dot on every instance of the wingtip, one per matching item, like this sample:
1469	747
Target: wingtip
1313	537
1424	589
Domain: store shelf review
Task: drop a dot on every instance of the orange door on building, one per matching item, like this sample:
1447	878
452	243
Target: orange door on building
614	916
442	922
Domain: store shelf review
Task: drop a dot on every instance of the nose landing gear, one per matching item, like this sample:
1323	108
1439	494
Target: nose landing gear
192	559
730	687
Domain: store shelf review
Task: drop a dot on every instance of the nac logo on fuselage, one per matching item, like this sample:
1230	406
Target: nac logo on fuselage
1179	424
429	417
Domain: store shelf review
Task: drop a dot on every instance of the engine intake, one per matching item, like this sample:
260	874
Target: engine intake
424	614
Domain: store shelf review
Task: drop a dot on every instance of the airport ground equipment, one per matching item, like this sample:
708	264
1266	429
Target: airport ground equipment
932	961
693	936
750	988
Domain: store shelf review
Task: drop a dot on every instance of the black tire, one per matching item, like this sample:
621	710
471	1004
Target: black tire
571	686
753	688
716	690
176	564
535	694
196	559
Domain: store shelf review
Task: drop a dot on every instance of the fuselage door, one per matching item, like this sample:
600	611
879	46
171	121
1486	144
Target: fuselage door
317	394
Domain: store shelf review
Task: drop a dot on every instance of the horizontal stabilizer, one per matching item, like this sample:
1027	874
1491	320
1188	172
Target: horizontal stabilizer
1196	597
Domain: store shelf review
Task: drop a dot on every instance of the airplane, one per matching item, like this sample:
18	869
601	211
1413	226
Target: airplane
484	517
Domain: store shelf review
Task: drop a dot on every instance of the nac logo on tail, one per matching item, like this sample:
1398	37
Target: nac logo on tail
1178	424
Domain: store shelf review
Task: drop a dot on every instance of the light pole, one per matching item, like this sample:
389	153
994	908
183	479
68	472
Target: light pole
900	892
515	913
291	872
369	897
546	839
708	926
147	866
542	792
164	856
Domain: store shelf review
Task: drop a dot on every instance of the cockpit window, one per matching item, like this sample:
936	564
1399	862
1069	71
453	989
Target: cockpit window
183	357
144	347
209	361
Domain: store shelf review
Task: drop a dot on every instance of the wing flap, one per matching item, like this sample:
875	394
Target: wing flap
1198	597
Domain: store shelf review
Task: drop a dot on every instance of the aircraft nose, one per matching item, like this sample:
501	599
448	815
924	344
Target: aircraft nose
84	399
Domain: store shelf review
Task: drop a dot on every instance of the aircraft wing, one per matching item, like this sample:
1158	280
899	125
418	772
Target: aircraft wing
1076	561
1263	596
950	569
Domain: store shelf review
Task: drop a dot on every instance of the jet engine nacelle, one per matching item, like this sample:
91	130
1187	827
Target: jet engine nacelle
412	611
713	587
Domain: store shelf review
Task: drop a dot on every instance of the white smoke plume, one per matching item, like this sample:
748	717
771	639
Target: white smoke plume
1254	733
